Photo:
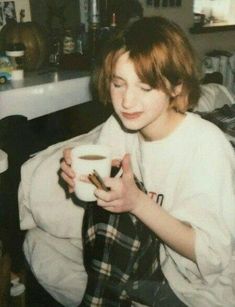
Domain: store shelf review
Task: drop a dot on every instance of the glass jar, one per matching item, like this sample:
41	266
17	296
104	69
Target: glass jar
15	53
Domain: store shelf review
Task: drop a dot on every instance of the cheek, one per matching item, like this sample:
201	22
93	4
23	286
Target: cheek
156	105
116	96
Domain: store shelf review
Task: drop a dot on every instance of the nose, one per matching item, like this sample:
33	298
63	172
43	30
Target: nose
128	99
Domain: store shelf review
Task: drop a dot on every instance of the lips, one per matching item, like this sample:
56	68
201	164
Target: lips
131	115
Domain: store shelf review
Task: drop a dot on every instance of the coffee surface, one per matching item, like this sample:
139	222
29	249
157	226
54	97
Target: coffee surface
92	157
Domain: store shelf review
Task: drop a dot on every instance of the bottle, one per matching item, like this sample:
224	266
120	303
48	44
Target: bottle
94	29
81	39
113	26
94	12
113	23
55	50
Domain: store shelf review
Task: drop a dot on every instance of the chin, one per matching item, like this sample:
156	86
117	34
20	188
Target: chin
133	126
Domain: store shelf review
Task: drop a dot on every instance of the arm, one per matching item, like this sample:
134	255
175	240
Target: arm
177	235
126	197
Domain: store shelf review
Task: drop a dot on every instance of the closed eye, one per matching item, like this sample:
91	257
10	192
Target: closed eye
117	85
146	89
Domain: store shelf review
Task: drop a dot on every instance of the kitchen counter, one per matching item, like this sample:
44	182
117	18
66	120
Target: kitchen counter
44	92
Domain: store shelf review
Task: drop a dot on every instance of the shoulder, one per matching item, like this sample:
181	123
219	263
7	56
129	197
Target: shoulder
205	130
198	122
207	139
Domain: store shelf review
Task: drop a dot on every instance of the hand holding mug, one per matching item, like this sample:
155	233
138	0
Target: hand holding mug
67	173
81	161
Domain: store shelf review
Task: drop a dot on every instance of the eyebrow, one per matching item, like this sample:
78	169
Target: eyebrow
117	77
122	79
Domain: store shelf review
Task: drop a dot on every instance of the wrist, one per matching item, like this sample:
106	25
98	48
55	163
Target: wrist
139	205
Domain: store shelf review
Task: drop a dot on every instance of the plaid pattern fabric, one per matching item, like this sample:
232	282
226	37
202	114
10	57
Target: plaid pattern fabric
119	252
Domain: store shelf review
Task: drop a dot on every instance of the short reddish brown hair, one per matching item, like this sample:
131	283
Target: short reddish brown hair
162	56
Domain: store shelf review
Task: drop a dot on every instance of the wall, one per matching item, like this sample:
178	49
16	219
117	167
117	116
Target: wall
56	12
184	17
19	5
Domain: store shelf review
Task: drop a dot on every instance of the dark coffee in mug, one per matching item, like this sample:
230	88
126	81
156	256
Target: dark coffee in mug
92	157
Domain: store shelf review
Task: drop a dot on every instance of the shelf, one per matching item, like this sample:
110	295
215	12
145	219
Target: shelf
211	29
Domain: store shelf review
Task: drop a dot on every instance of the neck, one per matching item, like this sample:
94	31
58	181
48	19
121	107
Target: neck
163	127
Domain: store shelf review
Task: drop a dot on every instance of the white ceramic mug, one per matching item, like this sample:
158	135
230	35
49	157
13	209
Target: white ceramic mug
85	159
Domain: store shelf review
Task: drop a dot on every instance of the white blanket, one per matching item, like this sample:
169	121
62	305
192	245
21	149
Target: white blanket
213	96
53	246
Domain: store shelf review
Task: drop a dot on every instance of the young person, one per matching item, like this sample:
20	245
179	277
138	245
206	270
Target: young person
185	202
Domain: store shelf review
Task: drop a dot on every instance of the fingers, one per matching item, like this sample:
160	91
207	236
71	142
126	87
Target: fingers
115	206
105	196
116	162
126	166
66	168
67	173
67	155
115	192
110	182
112	207
126	163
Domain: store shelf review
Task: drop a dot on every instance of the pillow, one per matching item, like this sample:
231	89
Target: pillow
213	96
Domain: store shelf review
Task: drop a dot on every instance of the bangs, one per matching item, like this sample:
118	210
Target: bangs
104	74
151	69
113	61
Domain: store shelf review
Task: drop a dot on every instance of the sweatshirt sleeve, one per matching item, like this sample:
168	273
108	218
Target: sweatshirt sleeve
207	202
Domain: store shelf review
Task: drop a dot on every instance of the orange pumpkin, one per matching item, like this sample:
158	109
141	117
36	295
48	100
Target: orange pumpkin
32	36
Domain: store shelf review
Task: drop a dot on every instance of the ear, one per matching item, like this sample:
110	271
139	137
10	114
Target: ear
177	90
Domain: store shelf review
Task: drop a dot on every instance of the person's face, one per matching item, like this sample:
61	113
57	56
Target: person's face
138	106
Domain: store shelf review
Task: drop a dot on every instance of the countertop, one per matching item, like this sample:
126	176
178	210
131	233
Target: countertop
43	76
44	92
